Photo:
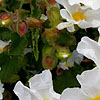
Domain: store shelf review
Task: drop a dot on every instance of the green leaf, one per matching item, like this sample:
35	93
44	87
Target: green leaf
18	44
68	39
5	33
9	66
68	79
35	11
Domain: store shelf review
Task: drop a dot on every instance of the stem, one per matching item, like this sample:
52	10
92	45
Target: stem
5	10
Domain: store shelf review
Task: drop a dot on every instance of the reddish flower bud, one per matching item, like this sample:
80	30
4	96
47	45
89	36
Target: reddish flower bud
51	2
49	62
5	19
22	28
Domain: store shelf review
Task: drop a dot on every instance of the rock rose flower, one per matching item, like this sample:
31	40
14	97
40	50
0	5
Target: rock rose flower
75	58
3	45
94	4
1	90
90	49
40	88
90	89
75	14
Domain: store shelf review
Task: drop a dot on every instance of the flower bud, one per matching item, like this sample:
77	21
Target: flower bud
22	28
53	14
5	19
49	62
63	53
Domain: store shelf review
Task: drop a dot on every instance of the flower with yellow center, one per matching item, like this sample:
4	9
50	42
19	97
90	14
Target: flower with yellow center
74	58
3	45
96	98
90	88
75	14
90	49
1	90
78	16
41	88
93	4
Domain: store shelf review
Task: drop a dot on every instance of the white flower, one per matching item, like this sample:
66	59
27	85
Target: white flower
1	90
90	88
3	45
43	17
75	58
94	4
75	14
41	88
90	49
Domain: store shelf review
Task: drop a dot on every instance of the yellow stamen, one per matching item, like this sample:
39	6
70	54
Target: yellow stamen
1	49
78	16
67	64
96	98
46	99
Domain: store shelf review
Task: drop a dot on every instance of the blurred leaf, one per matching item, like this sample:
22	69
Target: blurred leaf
9	66
68	79
18	44
36	11
5	33
7	95
13	78
68	39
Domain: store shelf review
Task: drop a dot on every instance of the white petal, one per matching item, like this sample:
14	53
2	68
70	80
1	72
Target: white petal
76	57
23	92
49	94
43	17
65	14
41	81
71	28
64	25
90	49
99	36
93	17
90	82
63	3
73	94
63	65
94	4
1	90
84	24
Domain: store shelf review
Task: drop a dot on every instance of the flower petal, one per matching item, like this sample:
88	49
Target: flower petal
23	92
90	49
64	25
1	90
41	81
65	14
73	94
89	81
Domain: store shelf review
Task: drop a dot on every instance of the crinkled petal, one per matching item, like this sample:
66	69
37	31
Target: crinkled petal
49	94
90	49
94	4
73	94
63	3
65	14
84	24
1	90
23	92
64	25
71	28
90	82
41	81
75	58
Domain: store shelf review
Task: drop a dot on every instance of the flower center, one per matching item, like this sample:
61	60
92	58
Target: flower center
1	49
96	98
46	99
78	16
